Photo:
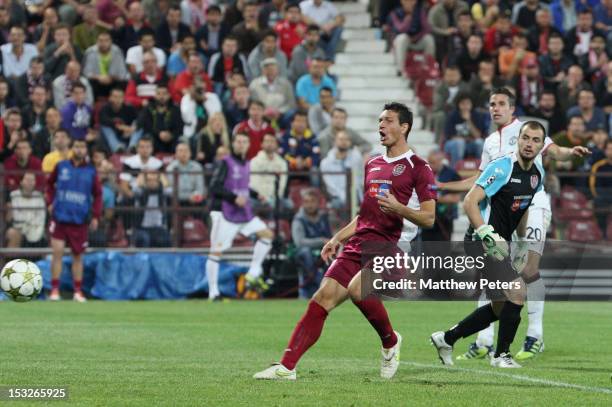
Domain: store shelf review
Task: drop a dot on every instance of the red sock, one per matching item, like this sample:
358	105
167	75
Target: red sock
77	286
305	334
374	311
55	283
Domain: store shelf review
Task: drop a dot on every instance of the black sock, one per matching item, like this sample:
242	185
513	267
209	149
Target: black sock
476	321
509	320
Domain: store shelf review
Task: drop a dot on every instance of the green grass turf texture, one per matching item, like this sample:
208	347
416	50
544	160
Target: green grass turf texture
172	353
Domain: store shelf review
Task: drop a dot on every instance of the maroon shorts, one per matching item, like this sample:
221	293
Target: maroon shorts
343	270
75	236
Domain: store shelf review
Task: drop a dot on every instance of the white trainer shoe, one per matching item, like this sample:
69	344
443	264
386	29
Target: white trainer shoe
504	360
55	295
391	359
79	297
445	351
276	372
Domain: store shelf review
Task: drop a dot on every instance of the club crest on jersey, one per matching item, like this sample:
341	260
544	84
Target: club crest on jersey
534	181
512	140
398	169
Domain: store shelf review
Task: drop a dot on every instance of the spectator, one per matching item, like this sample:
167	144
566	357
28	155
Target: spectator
161	121
602	14
86	34
264	50
597	145
594	61
110	10
524	14
177	61
409	30
555	63
291	30
342	157
35	75
143	86
319	115
594	117
271	13
190	176
304	53
136	164
309	86
237	108
13	132
568	89
60	52
234	13
575	135
465	28
128	34
470	58
601	187
196	107
465	130
171	31
248	31
34	112
17	54
539	34
26	215
43	32
578	39
268	160
184	80
446	203
255	127
325	14
106	174
151	193
118	122
227	61
61	151
6	100
77	114
310	231
443	21
104	65
62	85
20	162
500	35
485	13
563	14
206	142
135	54
444	97
275	92
193	13
529	85
603	90
299	146
210	36
41	141
548	110
513	61
327	136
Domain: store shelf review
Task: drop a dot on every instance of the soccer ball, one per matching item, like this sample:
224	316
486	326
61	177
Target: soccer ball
21	280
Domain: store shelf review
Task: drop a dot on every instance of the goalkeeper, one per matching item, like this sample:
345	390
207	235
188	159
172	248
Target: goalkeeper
497	206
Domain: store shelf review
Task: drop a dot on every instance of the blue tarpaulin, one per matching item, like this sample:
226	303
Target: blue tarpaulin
144	276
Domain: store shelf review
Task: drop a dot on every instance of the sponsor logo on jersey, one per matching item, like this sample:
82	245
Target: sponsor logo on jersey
520	202
534	181
383	189
374	169
398	169
515	180
373	190
378	189
64	174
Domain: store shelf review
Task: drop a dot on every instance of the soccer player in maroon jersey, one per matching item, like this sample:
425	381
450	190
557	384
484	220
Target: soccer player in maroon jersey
390	181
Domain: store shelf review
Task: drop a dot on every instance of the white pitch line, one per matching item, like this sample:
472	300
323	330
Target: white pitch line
519	377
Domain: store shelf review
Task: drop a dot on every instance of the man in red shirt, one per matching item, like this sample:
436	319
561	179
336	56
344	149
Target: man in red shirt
184	80
21	162
391	181
143	86
255	126
291	30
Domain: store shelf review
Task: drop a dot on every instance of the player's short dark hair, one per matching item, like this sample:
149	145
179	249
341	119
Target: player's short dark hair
404	114
507	92
533	125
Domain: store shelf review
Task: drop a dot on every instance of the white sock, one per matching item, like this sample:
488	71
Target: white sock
486	336
260	251
212	274
535	308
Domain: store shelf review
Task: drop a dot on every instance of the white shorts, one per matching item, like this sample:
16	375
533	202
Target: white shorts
223	231
537	225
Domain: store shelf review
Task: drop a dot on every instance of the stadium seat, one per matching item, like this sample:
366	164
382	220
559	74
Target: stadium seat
468	167
295	189
284	228
572	205
414	62
117	237
583	231
194	233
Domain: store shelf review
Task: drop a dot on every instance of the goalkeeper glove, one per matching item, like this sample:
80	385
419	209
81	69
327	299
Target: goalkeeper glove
495	246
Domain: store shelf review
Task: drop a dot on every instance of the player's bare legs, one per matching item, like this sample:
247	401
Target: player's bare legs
57	251
77	276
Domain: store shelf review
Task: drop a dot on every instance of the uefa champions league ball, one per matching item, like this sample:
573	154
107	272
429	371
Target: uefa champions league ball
21	280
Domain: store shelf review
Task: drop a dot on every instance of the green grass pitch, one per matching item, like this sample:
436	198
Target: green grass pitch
200	354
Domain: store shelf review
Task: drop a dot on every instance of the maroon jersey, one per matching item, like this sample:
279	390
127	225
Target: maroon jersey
404	177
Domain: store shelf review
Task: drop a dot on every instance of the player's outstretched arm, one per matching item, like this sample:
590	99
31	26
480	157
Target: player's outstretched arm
459	186
565	153
331	247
